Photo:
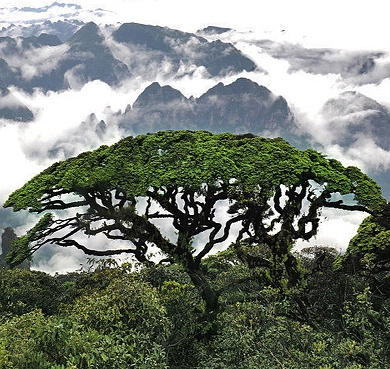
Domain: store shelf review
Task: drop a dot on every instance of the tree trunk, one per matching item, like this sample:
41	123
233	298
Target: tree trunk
293	271
209	295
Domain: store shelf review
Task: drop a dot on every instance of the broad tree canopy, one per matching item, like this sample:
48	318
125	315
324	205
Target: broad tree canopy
275	193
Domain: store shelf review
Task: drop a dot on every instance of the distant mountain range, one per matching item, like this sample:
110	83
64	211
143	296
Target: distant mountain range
181	49
116	55
67	53
87	56
63	29
361	66
245	106
55	56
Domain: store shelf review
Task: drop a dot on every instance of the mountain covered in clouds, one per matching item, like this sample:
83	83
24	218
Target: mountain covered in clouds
43	9
22	58
353	117
181	50
89	59
47	63
240	107
353	120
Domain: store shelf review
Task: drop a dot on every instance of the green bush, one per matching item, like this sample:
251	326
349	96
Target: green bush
22	291
125	304
35	341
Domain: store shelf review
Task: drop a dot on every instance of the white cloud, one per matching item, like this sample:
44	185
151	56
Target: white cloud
192	49
37	61
379	92
306	95
9	101
52	259
9	13
369	156
335	230
15	166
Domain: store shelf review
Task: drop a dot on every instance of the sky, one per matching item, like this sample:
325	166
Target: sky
342	25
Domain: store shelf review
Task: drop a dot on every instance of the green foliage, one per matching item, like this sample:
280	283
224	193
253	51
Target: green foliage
99	274
121	325
23	291
369	249
184	310
154	318
256	304
367	331
254	335
20	246
126	304
258	334
193	159
34	341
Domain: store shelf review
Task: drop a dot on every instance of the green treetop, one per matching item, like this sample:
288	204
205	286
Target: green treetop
275	193
370	248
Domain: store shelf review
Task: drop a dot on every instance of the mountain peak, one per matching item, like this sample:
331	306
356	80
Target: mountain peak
157	94
88	34
350	102
240	86
213	30
180	47
152	37
49	40
244	85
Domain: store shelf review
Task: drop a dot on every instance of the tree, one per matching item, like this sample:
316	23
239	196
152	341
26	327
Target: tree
275	194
